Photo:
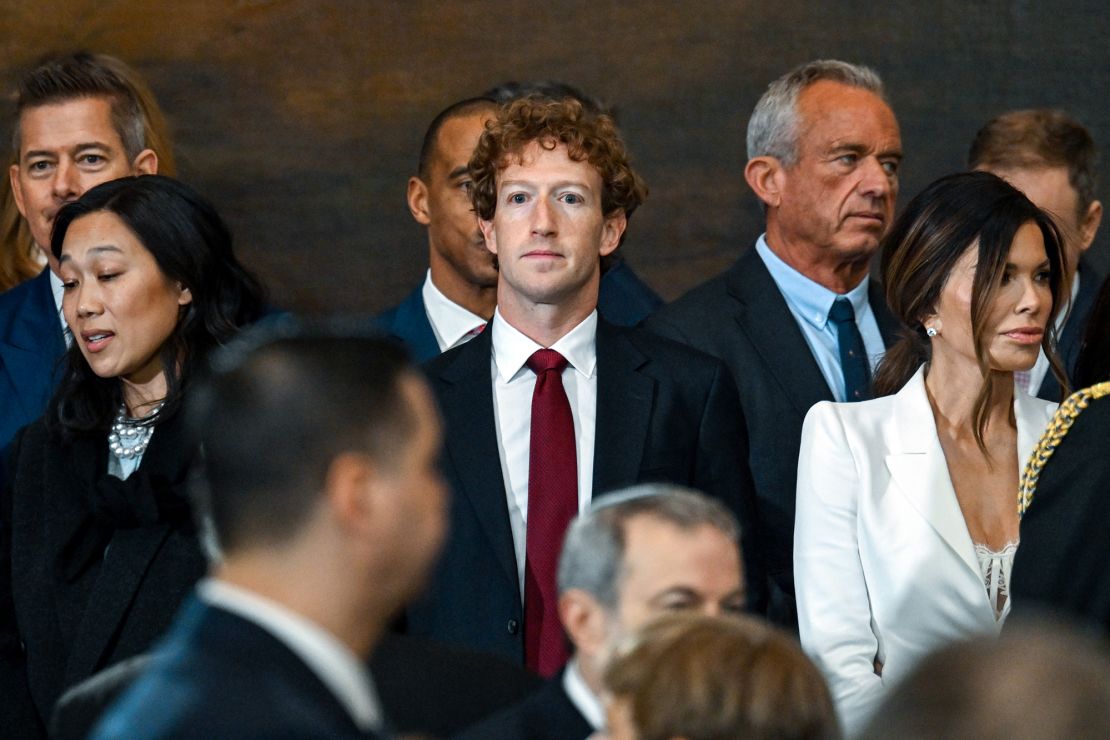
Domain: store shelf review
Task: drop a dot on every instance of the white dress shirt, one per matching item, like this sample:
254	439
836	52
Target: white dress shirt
582	697
336	666
58	291
1040	369
513	383
452	324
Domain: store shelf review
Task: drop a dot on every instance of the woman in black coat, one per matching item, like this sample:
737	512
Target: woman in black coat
1062	567
97	543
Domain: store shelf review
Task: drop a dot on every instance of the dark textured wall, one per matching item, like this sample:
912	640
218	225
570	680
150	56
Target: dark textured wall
302	118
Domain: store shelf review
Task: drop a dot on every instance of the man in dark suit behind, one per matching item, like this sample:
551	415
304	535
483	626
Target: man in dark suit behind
639	553
1051	157
80	121
327	508
551	406
796	319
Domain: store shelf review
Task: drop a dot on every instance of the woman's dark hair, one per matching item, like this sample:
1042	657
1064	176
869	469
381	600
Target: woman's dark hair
1093	365
192	246
918	254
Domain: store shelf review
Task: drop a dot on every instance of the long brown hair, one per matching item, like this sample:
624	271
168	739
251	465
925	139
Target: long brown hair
937	227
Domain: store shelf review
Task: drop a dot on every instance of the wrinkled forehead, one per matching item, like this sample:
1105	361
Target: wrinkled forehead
67	122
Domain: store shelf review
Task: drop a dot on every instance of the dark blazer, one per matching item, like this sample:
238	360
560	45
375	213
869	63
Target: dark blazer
548	714
31	343
741	317
624	299
77	594
426	688
1061	566
664	413
1071	338
218	675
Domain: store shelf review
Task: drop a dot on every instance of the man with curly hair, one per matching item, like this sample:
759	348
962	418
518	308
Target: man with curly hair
551	406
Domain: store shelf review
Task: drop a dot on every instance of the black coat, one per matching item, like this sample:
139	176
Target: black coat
665	413
79	591
1061	565
741	317
548	714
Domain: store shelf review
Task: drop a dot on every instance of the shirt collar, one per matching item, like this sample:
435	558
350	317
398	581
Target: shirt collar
511	348
57	289
580	695
1065	311
452	321
811	301
333	662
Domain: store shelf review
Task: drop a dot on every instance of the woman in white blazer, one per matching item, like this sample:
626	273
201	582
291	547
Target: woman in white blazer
907	504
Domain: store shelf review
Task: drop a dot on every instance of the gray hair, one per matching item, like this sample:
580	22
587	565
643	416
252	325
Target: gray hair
773	127
593	551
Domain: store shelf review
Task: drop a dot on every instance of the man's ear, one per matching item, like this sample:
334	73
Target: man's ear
146	163
765	176
584	620
489	234
612	231
17	189
417	197
1088	227
350	489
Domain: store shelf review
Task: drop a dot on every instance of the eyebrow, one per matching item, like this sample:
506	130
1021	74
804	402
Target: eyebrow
554	186
93	251
861	149
458	172
77	148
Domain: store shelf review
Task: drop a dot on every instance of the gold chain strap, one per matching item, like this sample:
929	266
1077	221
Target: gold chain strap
1057	429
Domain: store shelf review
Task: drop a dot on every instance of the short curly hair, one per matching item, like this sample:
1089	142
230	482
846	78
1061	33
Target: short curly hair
589	136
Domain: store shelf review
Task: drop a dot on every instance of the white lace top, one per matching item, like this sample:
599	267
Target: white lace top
995	566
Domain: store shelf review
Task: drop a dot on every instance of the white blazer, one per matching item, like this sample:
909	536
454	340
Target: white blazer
884	567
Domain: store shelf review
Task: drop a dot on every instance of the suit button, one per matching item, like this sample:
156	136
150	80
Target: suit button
513	626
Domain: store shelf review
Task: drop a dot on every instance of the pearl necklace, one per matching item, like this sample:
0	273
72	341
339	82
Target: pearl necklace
130	437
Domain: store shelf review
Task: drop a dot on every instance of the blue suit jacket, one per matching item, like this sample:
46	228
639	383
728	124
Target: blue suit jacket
624	299
31	343
219	675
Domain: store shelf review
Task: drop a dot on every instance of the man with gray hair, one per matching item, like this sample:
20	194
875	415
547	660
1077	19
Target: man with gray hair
635	554
796	319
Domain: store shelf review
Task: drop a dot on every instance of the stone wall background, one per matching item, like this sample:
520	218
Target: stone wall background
302	119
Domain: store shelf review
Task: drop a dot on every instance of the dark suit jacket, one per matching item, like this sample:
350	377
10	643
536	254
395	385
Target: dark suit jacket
218	675
624	299
1061	566
548	714
664	413
741	317
1071	338
31	343
58	626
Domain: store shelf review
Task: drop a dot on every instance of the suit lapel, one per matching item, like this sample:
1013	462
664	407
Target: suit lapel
889	326
30	349
467	400
773	331
624	405
412	325
918	467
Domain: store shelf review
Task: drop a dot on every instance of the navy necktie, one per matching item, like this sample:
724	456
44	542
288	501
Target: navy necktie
853	355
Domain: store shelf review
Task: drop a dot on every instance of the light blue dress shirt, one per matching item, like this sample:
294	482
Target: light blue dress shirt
810	304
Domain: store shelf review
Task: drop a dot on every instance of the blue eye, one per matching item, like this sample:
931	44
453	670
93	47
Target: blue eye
517	198
572	199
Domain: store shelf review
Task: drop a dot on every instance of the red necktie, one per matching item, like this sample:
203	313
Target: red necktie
552	503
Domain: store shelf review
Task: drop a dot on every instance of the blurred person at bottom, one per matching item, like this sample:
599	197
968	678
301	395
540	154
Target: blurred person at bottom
906	520
638	553
97	543
327	510
1061	566
699	677
1040	681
